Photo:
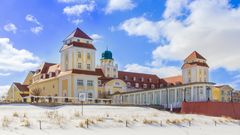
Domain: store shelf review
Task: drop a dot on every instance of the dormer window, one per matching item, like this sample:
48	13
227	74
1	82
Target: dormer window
152	86
125	78
150	79
142	79
128	84
134	78
136	85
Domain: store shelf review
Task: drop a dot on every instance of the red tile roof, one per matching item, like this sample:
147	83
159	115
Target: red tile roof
193	55
175	80
79	33
97	72
45	67
83	45
22	88
139	76
188	65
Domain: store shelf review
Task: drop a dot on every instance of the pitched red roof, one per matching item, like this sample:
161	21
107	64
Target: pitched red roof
83	45
22	88
78	33
188	65
173	80
97	72
139	76
194	55
45	67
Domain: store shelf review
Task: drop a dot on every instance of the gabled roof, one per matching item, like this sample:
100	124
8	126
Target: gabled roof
22	88
45	67
194	55
78	33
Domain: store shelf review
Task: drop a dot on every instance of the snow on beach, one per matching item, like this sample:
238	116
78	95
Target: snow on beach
105	120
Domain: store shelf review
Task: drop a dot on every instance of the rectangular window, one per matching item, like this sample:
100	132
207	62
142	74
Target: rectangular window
79	82
88	56
79	65
89	83
136	85
88	66
79	54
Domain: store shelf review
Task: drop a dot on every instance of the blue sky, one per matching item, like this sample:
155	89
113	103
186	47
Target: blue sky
151	36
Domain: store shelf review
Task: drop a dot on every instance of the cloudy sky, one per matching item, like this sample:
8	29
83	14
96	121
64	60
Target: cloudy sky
151	36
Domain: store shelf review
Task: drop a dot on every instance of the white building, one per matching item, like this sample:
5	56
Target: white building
193	87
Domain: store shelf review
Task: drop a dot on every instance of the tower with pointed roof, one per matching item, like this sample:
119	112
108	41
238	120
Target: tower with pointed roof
78	52
109	68
195	69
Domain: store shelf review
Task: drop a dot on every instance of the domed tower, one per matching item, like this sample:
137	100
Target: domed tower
109	68
195	69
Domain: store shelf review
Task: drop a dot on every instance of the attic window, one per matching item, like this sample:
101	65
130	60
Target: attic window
134	78
152	86
150	79
125	78
78	40
142	79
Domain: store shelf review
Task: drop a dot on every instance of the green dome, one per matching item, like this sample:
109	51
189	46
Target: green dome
107	55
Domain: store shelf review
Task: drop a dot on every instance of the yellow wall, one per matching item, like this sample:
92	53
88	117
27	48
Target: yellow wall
28	79
113	88
65	87
13	95
216	94
48	87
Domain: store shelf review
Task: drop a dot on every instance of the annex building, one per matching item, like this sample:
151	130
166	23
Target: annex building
78	73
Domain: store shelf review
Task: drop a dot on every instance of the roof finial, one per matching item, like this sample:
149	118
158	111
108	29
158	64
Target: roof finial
107	47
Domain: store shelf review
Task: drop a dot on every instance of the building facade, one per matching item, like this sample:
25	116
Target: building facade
77	73
222	93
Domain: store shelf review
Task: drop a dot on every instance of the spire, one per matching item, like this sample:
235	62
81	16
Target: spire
78	33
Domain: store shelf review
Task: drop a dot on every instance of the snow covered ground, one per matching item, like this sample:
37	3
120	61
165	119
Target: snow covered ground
105	120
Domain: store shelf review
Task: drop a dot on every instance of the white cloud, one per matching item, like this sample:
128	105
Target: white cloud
10	27
78	9
33	19
121	5
210	27
5	74
164	71
4	90
14	60
67	1
77	21
175	8
96	37
37	29
140	26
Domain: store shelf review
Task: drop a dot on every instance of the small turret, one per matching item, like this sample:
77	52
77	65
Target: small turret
107	65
